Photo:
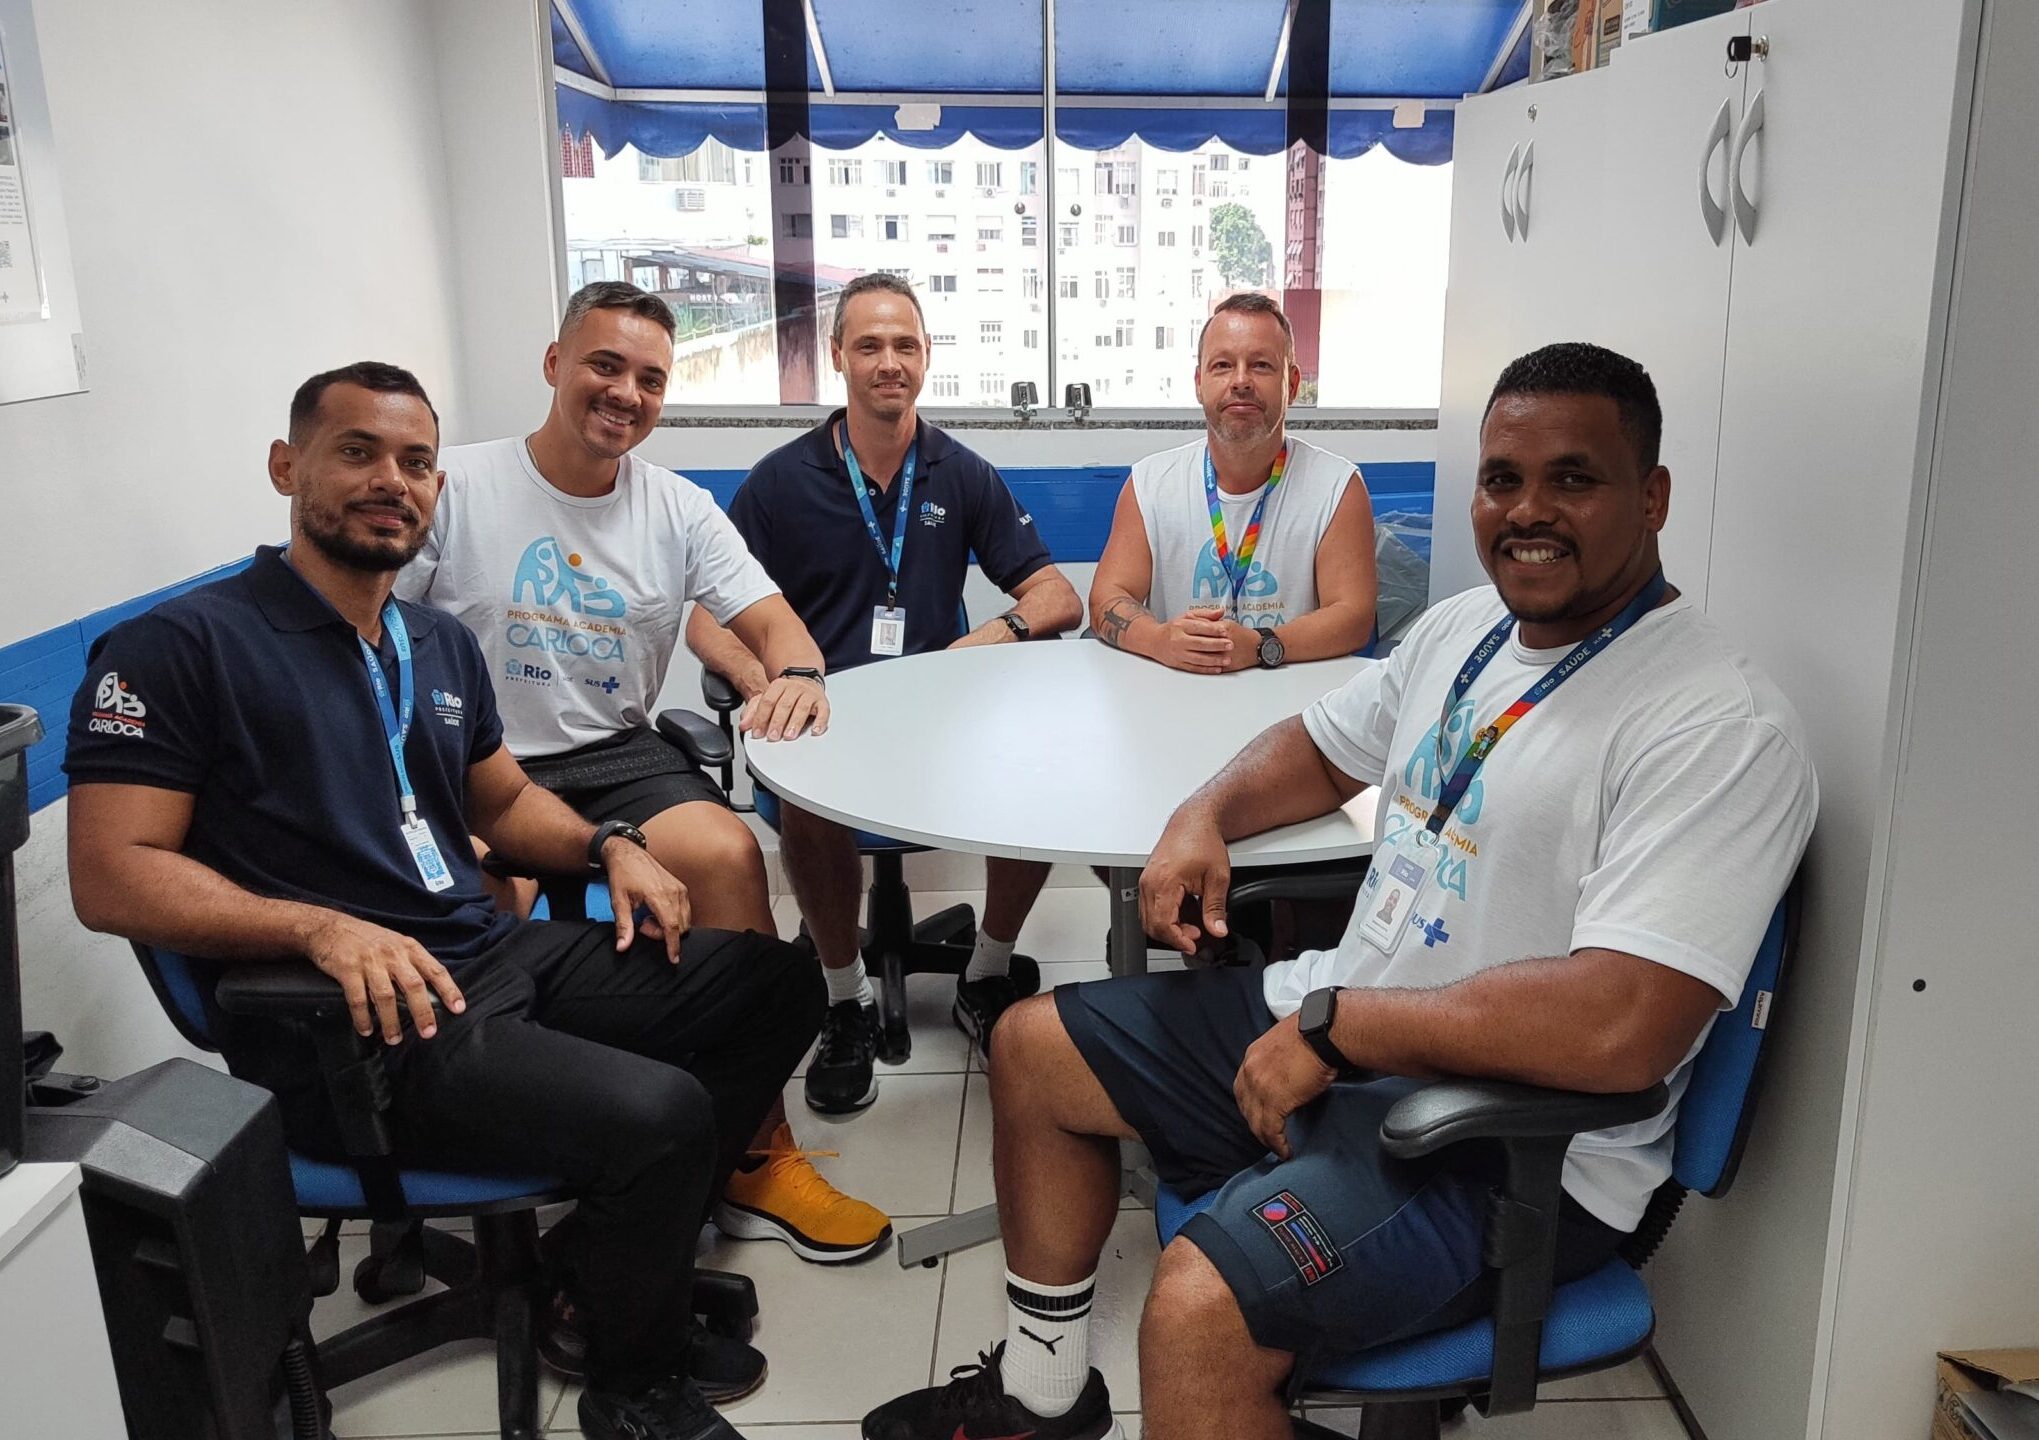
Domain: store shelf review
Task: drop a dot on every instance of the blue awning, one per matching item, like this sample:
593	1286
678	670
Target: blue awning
663	75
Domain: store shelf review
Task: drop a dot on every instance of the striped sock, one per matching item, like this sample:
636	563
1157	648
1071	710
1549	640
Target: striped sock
1047	1343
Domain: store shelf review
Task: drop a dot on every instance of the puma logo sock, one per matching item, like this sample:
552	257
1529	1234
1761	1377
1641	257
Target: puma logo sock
1047	1343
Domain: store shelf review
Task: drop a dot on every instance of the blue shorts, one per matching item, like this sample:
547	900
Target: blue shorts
1341	1248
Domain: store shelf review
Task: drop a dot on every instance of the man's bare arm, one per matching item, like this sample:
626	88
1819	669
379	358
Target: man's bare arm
1045	600
727	656
1347	588
1123	581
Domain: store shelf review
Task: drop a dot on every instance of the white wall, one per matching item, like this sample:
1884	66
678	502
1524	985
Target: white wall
255	194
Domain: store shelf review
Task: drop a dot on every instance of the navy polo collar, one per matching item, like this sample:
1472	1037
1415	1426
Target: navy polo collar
290	604
935	444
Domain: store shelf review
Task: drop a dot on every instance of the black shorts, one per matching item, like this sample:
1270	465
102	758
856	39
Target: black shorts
1341	1248
631	778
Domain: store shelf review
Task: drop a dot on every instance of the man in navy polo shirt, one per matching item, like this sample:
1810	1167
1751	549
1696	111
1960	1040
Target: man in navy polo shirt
823	515
287	763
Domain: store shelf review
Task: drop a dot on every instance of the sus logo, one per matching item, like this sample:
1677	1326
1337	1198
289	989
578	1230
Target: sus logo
553	576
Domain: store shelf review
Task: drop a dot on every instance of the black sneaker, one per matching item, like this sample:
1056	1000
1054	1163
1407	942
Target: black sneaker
978	1005
725	1369
974	1406
841	1079
672	1409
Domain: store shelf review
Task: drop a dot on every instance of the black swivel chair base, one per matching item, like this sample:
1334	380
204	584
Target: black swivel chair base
895	947
1403	1420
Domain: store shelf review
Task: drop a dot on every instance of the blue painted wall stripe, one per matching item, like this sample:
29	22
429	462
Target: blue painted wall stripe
1071	505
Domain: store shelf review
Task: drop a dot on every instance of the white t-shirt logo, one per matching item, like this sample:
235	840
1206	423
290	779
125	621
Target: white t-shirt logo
551	574
114	698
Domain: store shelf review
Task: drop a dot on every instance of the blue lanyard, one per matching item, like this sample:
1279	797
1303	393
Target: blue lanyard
1237	560
396	719
1483	744
901	518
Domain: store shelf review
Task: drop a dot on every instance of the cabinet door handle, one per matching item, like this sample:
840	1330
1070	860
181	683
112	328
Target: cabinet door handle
1712	209
1523	189
1746	210
1508	191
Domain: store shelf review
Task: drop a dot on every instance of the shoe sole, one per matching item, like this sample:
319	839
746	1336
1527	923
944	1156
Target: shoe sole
713	1394
850	1109
1114	1431
740	1222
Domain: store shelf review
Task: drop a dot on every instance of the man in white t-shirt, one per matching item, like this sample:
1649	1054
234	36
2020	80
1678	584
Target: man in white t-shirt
1247	547
573	560
1571	912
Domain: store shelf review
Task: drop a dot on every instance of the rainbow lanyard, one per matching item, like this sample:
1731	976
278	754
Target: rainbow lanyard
1235	573
1483	744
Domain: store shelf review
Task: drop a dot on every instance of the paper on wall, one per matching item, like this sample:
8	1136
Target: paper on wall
21	291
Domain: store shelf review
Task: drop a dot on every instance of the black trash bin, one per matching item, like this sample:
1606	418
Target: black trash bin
19	729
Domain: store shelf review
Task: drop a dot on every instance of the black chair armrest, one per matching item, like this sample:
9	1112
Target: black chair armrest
1338	882
293	990
1451	1111
697	737
720	695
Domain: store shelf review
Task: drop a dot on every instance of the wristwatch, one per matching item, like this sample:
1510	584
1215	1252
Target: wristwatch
1320	1008
605	832
1272	652
1020	629
804	672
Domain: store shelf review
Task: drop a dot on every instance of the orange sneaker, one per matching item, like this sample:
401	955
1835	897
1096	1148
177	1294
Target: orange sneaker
787	1199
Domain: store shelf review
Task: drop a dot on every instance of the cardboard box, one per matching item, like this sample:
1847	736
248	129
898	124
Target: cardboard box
1963	1371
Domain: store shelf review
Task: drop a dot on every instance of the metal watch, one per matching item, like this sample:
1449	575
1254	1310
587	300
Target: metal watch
605	832
804	672
1272	651
1320	1008
1020	629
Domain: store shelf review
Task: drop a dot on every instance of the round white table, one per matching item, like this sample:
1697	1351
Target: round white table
1066	751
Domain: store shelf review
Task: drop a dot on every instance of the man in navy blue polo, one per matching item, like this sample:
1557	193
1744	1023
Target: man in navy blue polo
867	523
287	763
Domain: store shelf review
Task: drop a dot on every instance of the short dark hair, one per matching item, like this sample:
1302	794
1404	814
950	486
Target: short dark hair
369	375
1248	302
877	281
618	295
1576	368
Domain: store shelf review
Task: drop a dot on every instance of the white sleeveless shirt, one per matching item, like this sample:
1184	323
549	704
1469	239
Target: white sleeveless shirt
1282	583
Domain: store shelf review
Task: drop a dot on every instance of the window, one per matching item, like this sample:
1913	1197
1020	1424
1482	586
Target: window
1122	336
1065	234
990	229
892	172
1030	229
797	226
941	339
941	172
714	163
941	227
992	387
991	332
846	227
1165	239
990	281
1221	187
1166	182
1101	285
941	284
1196	237
845	172
1030	284
793	172
1196	284
990	175
1065	180
1117	177
1220	162
1103	229
1030	339
591	269
946	387
1067	287
891	227
1164	336
1129	235
1124	285
1030	177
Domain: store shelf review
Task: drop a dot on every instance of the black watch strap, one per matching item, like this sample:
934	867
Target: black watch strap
1320	1009
605	832
804	672
1019	627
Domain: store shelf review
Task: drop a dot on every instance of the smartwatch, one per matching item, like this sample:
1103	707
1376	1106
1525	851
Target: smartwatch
1272	652
804	672
1020	629
605	832
1320	1008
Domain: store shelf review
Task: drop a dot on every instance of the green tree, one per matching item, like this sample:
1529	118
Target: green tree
1240	246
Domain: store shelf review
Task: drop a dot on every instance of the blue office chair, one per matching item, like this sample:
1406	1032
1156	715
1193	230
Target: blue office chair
1539	1331
493	1283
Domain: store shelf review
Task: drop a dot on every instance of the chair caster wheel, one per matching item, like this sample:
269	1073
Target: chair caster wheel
930	1264
379	1281
731	1327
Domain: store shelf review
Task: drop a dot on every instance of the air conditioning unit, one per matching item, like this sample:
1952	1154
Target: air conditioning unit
941	248
985	192
687	198
941	192
1167	202
891	191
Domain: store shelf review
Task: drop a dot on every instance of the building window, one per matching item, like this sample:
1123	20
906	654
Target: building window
941	228
891	227
1123	338
1129	235
992	387
1164	336
1124	287
793	172
1219	162
797	226
591	269
1067	287
892	172
941	172
1065	234
1030	229
1030	177
1101	285
713	163
991	281
1196	237
1221	187
941	284
1165	239
946	387
846	227
1103	230
941	339
990	175
845	172
990	229
1030	284
1196	284
991	332
1030	339
1166	182
576	157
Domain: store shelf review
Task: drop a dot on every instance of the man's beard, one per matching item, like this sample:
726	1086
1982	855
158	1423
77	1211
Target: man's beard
375	556
1239	430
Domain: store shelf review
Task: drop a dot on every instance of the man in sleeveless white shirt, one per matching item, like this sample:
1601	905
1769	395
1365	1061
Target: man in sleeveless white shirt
1247	547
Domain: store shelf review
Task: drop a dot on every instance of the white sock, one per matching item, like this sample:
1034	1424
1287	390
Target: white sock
1047	1343
849	983
990	957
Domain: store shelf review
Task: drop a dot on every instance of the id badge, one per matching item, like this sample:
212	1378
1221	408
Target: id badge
425	854
1391	896
888	631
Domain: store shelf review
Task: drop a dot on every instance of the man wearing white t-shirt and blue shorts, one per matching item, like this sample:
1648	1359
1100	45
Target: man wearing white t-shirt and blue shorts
1590	804
573	560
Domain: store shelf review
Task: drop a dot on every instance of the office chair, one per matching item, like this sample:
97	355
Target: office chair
492	1283
1540	1331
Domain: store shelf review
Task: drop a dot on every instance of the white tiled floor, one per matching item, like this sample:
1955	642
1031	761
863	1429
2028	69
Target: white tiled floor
841	1341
